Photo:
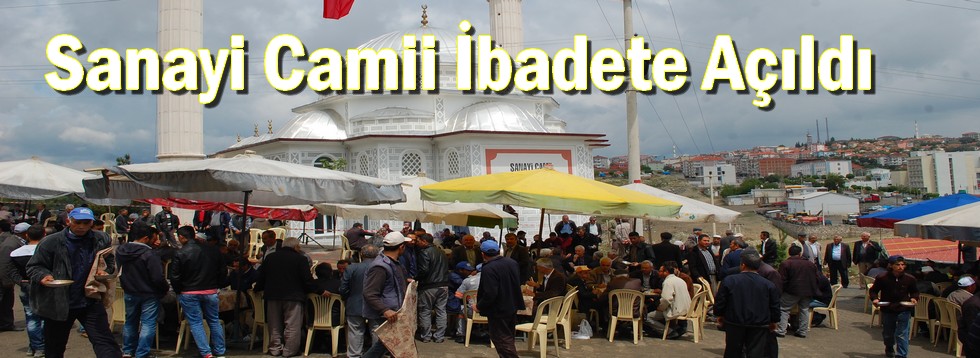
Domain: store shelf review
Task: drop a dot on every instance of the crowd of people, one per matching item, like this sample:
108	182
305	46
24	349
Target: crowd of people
68	275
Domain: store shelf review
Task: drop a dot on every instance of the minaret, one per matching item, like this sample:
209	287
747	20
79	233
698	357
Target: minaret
506	25
180	119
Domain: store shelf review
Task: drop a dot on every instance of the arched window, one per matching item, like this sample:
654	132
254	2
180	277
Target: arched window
411	163
452	163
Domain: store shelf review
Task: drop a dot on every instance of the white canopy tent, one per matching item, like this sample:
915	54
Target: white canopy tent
959	223
35	179
691	210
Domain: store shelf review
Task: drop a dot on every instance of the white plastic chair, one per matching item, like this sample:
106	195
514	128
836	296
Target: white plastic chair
545	321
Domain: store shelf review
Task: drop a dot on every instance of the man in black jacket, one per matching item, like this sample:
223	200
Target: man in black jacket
520	254
69	255
638	251
143	284
286	279
352	290
701	261
666	250
768	249
747	307
837	255
865	254
167	222
499	298
799	287
433	277
196	273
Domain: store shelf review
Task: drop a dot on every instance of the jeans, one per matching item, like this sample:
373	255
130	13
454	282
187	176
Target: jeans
377	349
356	329
197	310
96	324
817	317
895	332
35	324
141	324
786	303
429	299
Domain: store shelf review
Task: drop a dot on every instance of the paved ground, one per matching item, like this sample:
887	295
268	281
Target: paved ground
854	339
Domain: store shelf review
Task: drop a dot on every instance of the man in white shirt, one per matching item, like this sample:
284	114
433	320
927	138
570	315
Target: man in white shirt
675	301
814	249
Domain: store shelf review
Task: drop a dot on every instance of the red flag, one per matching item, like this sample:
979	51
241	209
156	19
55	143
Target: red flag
336	9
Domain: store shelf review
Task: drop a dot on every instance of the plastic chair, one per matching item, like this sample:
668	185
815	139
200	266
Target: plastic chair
280	232
867	294
565	316
707	288
954	311
921	314
830	310
323	320
545	321
945	321
258	319
254	242
346	253
942	286
470	296
118	308
695	315
627	299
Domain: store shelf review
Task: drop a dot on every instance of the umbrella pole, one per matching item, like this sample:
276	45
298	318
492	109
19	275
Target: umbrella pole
541	225
245	228
959	253
27	205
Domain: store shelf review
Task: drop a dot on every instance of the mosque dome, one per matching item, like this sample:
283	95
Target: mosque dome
321	124
493	116
445	39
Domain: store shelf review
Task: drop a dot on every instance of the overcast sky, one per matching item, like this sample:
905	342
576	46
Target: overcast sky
926	56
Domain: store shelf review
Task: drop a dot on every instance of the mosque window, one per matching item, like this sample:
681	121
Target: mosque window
365	165
452	163
411	163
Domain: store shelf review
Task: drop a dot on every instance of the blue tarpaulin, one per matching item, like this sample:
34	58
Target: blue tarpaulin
888	218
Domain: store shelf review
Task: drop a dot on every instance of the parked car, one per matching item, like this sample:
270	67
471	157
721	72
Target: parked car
852	219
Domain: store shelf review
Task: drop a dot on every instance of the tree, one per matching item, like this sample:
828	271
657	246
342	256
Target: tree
849	176
772	178
645	169
123	160
834	182
332	164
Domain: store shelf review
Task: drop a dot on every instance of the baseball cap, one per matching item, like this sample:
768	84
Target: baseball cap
82	214
966	281
895	258
394	238
21	228
490	247
463	265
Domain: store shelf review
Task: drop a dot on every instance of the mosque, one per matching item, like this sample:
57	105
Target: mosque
444	135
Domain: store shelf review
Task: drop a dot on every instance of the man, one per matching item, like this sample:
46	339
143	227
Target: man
732	262
969	323
217	225
649	279
822	299
357	236
351	289
802	243
565	226
10	243
61	221
20	257
143	284
621	236
200	221
895	287
767	249
122	224
536	246
577	258
967	286
196	273
864	255
270	244
815	250
468	251
454	308
603	274
592	235
471	282
799	287
701	261
666	250
42	213
586	288
499	298
69	255
837	255
286	279
726	241
639	251
552	282
520	254
433	290
675	301
167	222
747	307
384	288
692	240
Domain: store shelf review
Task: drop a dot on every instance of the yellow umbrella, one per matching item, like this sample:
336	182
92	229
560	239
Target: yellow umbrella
551	190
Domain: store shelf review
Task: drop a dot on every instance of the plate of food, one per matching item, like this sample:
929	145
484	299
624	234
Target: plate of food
59	283
883	303
907	303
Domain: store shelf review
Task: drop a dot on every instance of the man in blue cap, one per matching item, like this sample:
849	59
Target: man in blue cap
69	255
499	297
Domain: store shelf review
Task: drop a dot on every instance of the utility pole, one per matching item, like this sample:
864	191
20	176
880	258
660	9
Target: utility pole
632	127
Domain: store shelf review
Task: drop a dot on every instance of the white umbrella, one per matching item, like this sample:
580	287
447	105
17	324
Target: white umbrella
691	210
35	179
959	223
414	208
265	182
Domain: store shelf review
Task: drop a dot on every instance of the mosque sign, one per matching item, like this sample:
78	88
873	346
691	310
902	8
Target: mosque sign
513	160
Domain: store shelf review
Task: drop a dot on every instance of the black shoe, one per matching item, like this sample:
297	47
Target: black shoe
426	340
11	329
460	340
801	335
780	335
889	354
674	335
439	340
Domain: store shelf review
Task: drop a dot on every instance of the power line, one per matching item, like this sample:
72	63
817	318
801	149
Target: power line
697	98
56	4
943	5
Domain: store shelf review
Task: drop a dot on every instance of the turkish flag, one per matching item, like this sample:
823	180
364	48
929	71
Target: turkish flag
336	9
